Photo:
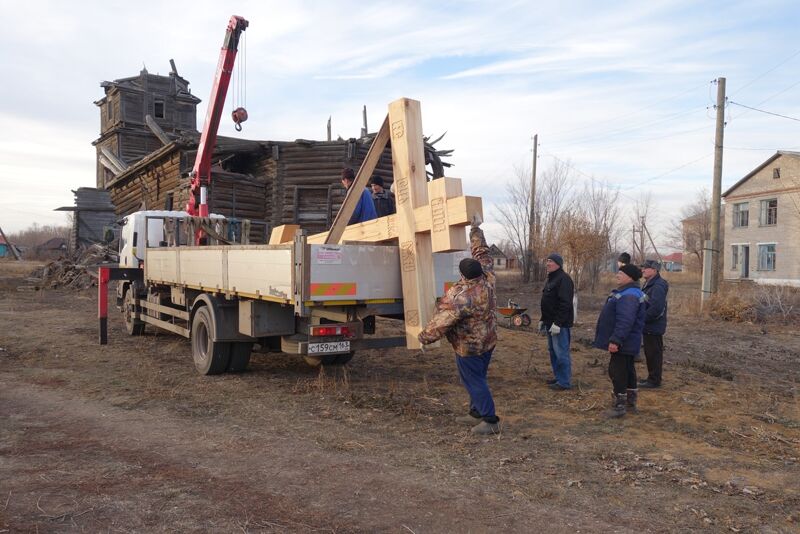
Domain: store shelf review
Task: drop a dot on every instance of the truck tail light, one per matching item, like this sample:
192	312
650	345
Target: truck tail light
329	330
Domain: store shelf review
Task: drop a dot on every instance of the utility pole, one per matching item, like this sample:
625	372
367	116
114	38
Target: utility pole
641	241
329	128
532	221
711	257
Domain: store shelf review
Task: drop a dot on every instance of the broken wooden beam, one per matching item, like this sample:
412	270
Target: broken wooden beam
156	129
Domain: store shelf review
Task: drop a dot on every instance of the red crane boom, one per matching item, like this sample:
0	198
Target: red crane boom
201	172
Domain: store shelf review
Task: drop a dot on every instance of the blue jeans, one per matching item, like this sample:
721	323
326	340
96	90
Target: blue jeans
559	357
473	371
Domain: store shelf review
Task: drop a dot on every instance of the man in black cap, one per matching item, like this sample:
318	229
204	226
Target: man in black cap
655	322
465	315
382	198
619	330
556	321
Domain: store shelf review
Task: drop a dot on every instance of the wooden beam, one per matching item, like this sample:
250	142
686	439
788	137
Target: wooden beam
283	234
416	256
444	236
156	129
115	161
362	177
459	214
108	165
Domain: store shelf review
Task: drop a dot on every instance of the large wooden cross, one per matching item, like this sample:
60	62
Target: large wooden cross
430	217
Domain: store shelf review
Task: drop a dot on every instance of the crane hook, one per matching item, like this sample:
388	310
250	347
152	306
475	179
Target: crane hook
239	115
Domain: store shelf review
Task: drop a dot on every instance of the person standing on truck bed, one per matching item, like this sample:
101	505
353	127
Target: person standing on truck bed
365	209
465	315
383	199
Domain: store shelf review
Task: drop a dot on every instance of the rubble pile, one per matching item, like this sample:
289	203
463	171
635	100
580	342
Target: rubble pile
79	271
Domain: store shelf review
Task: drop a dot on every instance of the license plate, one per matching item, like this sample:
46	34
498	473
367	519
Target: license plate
328	347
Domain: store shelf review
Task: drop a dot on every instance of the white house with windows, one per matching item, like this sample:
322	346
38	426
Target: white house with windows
762	218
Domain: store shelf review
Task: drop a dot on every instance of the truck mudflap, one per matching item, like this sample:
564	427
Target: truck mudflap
104	276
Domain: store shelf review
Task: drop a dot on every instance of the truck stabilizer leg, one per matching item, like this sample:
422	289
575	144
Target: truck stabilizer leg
103	275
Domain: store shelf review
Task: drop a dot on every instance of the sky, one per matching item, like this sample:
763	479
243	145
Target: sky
623	91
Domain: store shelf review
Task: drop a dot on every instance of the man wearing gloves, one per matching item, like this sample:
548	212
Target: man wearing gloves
655	322
619	330
556	321
465	315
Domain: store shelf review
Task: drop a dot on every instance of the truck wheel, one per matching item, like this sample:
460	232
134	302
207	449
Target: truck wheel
210	357
133	326
240	357
329	359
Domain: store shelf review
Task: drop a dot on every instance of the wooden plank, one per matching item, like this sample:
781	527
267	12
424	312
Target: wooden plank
459	214
156	129
444	237
283	234
416	256
362	177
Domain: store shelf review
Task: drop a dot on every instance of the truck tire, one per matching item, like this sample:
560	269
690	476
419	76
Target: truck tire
240	357
329	359
133	326
210	357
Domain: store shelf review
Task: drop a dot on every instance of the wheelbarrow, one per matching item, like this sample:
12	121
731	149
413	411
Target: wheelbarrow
514	315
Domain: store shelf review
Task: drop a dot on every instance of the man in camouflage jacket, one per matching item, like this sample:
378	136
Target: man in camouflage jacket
465	315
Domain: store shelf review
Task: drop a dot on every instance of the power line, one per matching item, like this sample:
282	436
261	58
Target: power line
754	80
643	140
670	171
635	112
621	131
764	111
768	99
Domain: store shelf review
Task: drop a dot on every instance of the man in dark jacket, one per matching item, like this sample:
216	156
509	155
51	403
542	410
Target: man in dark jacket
655	322
619	330
465	315
383	199
556	321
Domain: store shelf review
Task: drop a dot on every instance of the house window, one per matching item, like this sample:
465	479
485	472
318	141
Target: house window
734	257
769	212
766	257
741	214
776	172
109	111
158	109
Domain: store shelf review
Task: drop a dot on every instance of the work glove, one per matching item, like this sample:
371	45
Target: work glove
541	328
555	330
476	220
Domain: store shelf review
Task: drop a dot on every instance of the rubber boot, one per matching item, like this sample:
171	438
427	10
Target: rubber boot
618	407
632	395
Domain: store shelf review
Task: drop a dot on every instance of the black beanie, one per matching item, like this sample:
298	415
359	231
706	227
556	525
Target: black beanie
556	258
624	258
470	268
377	180
631	270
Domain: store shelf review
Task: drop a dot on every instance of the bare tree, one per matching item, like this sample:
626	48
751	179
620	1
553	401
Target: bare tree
553	196
692	228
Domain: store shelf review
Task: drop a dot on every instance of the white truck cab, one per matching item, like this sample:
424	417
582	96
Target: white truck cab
132	244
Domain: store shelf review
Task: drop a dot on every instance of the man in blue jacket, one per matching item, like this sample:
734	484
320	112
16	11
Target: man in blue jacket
365	209
619	330
655	322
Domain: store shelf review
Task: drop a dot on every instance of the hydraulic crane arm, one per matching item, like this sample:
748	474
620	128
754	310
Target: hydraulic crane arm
201	172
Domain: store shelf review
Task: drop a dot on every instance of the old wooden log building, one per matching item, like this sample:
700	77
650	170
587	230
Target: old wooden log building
147	146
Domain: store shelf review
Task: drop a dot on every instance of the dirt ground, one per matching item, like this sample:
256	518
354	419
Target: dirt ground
128	438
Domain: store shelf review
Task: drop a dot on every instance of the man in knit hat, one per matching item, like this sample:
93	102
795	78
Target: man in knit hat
465	315
382	198
556	321
619	330
655	322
